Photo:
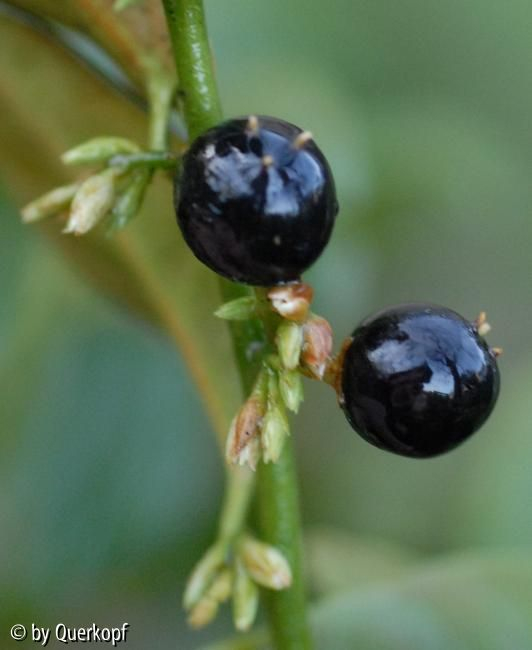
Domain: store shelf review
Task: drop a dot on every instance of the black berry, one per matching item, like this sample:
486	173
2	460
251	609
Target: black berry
417	380
255	200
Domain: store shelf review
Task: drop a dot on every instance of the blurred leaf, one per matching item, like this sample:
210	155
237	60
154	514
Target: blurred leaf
92	483
80	409
148	268
467	602
136	38
495	507
338	560
470	602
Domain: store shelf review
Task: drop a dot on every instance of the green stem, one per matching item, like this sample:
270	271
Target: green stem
161	90
280	525
237	496
186	24
278	485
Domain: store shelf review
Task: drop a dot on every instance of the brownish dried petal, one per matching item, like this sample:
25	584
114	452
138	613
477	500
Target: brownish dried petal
317	345
292	301
244	429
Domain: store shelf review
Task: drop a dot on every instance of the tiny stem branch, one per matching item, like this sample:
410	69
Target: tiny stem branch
237	496
278	497
161	90
149	159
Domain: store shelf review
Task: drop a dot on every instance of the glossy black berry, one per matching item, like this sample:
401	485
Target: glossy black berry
417	380
255	200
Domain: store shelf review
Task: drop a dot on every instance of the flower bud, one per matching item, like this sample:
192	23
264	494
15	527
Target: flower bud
275	425
222	587
291	389
242	446
291	301
92	202
239	309
274	431
203	613
49	204
289	339
265	564
98	150
317	346
245	599
203	575
250	455
130	200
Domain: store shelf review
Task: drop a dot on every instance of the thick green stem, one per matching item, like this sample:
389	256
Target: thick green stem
280	525
186	23
278	485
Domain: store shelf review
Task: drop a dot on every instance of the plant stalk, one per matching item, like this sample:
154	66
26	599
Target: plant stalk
278	495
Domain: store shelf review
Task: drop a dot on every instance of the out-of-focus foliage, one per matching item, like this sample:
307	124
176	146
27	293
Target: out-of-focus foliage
109	477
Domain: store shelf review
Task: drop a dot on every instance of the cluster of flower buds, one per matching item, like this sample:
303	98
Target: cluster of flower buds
234	571
303	347
116	191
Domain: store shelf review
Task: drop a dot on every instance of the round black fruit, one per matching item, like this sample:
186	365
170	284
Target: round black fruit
255	200
417	380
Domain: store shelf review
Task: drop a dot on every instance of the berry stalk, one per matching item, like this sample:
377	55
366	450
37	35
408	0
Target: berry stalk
278	495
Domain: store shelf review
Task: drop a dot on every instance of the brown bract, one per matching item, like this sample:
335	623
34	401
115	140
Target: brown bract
292	301
317	345
244	431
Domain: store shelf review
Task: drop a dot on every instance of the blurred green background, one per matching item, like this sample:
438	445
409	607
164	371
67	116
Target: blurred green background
110	477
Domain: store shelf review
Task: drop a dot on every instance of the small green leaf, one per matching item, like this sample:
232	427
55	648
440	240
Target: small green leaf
97	150
239	309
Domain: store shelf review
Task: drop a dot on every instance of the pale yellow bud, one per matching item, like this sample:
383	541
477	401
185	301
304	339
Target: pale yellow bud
275	428
289	339
291	389
265	564
49	204
222	587
245	599
93	200
203	575
203	613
